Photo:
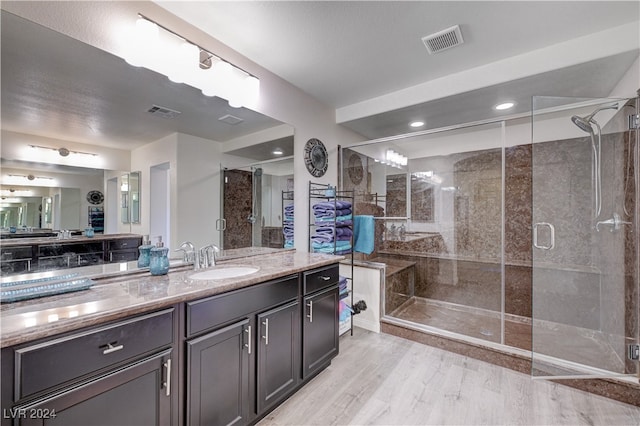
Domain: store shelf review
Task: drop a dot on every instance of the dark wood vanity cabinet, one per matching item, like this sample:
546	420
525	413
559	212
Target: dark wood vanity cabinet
108	375
248	358
320	334
136	394
218	368
278	353
227	359
16	259
122	250
63	254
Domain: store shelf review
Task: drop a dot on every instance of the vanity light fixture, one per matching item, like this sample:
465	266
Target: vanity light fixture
396	160
31	177
64	152
160	49
505	105
416	124
16	193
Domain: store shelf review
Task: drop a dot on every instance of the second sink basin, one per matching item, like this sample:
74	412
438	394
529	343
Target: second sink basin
222	272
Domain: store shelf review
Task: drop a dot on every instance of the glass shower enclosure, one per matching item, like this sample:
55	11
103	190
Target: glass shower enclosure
585	237
520	235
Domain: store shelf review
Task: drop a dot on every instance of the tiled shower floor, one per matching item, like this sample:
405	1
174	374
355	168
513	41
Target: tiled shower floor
578	345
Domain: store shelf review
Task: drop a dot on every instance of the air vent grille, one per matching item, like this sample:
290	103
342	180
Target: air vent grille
163	112
230	119
443	40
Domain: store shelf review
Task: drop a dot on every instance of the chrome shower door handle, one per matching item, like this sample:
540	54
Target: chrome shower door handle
221	224
552	236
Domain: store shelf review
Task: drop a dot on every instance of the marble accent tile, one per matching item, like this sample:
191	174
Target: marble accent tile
518	208
237	207
518	286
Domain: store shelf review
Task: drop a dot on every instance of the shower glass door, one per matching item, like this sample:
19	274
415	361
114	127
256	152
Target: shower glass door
585	245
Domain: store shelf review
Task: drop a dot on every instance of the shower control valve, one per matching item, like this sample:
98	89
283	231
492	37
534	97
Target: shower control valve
616	222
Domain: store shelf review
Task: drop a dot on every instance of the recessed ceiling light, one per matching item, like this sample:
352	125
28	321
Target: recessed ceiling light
416	124
504	105
277	151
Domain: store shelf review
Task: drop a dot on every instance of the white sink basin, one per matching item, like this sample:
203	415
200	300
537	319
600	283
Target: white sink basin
220	273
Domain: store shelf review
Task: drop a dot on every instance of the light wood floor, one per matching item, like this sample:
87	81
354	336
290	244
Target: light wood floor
386	380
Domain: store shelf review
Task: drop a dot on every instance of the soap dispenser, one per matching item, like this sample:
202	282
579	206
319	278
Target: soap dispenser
145	252
159	263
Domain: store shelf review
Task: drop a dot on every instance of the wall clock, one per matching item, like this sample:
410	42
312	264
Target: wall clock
95	197
355	169
315	157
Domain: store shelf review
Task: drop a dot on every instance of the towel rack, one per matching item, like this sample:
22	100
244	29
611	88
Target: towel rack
391	218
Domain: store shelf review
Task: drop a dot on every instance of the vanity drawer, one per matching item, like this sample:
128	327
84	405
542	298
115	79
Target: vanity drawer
320	278
212	312
123	256
52	363
66	248
16	253
124	244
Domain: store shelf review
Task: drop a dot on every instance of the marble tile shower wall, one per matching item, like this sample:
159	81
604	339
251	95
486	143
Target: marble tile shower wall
238	206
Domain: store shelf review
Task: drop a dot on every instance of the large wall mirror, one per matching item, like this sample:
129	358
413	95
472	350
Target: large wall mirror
59	91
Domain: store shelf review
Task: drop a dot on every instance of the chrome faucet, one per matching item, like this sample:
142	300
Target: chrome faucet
208	255
189	254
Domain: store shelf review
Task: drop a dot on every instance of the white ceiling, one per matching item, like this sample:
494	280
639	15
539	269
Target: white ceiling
350	53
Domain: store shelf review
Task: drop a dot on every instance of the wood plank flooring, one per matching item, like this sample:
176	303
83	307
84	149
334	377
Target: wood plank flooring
379	379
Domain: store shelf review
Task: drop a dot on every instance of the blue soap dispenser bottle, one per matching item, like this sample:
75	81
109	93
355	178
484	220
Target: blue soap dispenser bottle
145	252
159	263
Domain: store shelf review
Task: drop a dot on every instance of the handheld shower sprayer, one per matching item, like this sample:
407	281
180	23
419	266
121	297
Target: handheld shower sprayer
586	124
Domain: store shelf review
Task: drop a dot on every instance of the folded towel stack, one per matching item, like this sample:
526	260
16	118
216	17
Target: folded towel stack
344	289
327	212
333	234
345	311
287	226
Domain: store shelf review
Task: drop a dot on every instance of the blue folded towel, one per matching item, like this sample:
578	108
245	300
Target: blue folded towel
363	231
328	220
332	205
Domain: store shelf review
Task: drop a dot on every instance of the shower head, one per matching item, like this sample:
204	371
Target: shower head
584	123
258	171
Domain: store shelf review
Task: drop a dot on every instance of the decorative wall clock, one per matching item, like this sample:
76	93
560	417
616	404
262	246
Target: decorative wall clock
95	197
355	169
315	157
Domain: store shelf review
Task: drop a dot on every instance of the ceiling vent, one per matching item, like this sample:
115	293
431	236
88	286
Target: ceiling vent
163	112
230	119
443	40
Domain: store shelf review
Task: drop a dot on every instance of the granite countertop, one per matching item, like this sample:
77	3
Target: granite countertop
126	295
74	239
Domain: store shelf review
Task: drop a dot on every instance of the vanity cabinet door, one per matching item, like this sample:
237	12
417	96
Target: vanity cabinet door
138	394
278	352
218	369
320	330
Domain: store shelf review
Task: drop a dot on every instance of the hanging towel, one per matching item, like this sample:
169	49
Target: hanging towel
363	232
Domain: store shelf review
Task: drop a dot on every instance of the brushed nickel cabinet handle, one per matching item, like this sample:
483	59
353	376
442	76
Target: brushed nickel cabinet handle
248	344
310	316
111	347
266	331
167	381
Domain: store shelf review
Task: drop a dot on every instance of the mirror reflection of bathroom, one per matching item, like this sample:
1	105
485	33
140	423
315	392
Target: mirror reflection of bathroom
254	198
